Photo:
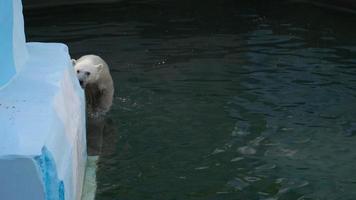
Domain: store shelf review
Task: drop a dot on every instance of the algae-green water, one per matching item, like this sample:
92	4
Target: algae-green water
219	100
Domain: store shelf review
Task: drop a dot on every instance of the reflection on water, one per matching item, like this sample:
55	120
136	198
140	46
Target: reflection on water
102	136
219	99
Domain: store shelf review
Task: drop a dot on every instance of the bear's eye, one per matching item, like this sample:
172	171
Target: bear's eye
87	73
78	71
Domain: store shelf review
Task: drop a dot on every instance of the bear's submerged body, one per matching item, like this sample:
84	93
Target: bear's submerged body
95	78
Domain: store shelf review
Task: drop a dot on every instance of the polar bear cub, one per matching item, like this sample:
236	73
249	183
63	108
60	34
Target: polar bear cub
94	77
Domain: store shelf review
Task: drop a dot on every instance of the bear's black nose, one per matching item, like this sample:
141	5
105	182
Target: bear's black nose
81	82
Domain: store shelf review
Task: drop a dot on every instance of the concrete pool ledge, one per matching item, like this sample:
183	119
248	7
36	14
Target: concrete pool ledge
42	116
90	185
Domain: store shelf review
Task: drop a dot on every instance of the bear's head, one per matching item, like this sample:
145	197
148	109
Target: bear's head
87	73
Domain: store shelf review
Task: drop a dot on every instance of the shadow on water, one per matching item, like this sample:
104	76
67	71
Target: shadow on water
218	99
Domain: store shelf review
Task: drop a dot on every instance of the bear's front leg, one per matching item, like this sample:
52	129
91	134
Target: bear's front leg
105	101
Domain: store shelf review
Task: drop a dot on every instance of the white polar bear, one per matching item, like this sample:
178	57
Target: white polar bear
95	78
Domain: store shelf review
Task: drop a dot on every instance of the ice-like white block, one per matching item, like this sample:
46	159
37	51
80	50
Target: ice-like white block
42	116
43	122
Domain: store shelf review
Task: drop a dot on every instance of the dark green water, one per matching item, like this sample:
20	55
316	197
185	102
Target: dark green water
230	100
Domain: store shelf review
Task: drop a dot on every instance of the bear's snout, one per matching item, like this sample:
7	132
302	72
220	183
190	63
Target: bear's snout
81	82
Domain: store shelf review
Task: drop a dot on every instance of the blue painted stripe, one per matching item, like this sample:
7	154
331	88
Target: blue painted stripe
7	66
54	188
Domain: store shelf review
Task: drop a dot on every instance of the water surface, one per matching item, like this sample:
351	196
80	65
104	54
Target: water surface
219	99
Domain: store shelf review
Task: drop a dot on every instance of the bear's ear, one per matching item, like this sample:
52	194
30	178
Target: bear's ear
74	61
99	67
